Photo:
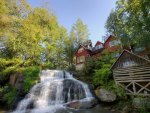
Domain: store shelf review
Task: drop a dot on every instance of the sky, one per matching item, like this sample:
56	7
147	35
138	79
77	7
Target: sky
93	13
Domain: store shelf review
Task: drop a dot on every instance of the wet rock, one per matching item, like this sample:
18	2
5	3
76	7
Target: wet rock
31	105
74	105
105	95
88	104
91	88
82	104
73	88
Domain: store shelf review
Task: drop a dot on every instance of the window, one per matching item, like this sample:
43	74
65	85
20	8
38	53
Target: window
114	43
99	46
129	63
80	59
80	50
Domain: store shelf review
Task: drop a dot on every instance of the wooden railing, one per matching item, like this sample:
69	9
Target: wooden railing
135	80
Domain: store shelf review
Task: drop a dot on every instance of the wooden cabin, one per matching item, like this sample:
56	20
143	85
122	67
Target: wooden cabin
132	72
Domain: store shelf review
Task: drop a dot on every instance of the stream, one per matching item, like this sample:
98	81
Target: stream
97	109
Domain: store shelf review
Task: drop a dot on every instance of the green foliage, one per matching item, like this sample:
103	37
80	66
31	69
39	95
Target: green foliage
111	85
8	67
9	94
31	34
102	72
48	65
130	22
101	76
87	72
98	73
31	76
5	73
143	110
79	35
4	63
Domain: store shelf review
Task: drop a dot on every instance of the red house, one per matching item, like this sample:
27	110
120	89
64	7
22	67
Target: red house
83	52
111	45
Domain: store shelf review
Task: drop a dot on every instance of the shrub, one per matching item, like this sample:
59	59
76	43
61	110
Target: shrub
31	76
120	91
48	65
87	72
9	94
101	76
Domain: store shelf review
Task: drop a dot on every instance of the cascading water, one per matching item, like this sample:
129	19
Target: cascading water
55	90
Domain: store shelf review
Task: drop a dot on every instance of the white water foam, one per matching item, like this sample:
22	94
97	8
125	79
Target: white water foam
55	89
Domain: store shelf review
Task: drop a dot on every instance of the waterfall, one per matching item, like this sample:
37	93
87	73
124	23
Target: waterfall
56	88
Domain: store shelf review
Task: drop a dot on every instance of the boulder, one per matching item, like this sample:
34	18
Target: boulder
105	95
82	104
89	104
73	104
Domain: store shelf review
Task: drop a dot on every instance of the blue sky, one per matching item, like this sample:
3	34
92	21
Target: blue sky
94	13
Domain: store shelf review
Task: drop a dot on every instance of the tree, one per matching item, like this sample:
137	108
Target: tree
79	35
31	34
129	21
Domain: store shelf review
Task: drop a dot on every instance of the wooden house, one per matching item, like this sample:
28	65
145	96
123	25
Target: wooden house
112	44
133	73
82	53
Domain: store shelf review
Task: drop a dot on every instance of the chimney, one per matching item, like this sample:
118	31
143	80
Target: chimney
89	45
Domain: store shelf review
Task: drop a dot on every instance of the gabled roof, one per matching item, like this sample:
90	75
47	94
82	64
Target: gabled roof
108	38
126	56
83	47
97	51
111	36
98	42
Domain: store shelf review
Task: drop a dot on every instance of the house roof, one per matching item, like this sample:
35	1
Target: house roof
108	38
97	51
92	52
98	42
129	56
83	47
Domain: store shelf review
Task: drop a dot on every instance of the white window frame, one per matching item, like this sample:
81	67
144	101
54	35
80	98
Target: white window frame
114	43
81	50
80	59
